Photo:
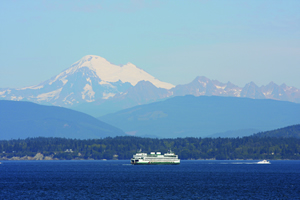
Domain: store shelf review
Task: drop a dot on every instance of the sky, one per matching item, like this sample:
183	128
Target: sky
174	40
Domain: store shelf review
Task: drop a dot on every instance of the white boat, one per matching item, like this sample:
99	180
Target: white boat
264	162
155	159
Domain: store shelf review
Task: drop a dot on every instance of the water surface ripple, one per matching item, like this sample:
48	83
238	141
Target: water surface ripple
120	180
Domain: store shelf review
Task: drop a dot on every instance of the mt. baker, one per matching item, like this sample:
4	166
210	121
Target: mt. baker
109	73
88	79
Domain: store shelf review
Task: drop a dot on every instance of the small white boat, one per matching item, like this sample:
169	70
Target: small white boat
264	162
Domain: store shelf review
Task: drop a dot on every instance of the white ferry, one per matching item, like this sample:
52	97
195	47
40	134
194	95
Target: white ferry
155	159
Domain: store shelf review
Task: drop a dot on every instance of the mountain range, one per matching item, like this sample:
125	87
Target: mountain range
20	119
97	87
205	116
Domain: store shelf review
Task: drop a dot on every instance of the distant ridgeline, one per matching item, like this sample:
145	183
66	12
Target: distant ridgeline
123	147
205	116
21	119
290	131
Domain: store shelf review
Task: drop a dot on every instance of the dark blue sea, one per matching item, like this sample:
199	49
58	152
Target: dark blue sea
120	180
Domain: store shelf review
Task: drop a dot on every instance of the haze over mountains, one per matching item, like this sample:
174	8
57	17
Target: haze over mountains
205	116
20	119
95	86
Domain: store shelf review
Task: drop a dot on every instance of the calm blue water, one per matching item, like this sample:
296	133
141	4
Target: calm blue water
120	180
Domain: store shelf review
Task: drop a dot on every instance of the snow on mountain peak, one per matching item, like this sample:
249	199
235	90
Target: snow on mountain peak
109	72
90	60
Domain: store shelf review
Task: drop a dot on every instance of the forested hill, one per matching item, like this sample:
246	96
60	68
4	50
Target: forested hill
124	147
290	131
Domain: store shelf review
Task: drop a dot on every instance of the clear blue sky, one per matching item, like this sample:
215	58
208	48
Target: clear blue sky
175	41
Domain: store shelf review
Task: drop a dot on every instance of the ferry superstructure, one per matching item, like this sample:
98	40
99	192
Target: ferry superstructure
155	159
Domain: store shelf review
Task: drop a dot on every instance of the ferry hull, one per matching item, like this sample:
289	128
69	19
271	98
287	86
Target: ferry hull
156	163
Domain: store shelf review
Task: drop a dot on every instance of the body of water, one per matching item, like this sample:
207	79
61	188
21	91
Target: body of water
121	180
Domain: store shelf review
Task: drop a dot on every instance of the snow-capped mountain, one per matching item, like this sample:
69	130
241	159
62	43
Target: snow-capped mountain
97	87
204	86
110	73
89	79
145	92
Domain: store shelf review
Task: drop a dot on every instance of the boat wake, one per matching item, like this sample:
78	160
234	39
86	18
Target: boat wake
240	163
235	163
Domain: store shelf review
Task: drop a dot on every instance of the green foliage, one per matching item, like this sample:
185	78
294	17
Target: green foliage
186	148
289	131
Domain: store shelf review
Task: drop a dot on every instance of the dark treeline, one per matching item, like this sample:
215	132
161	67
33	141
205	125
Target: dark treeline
124	147
289	131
